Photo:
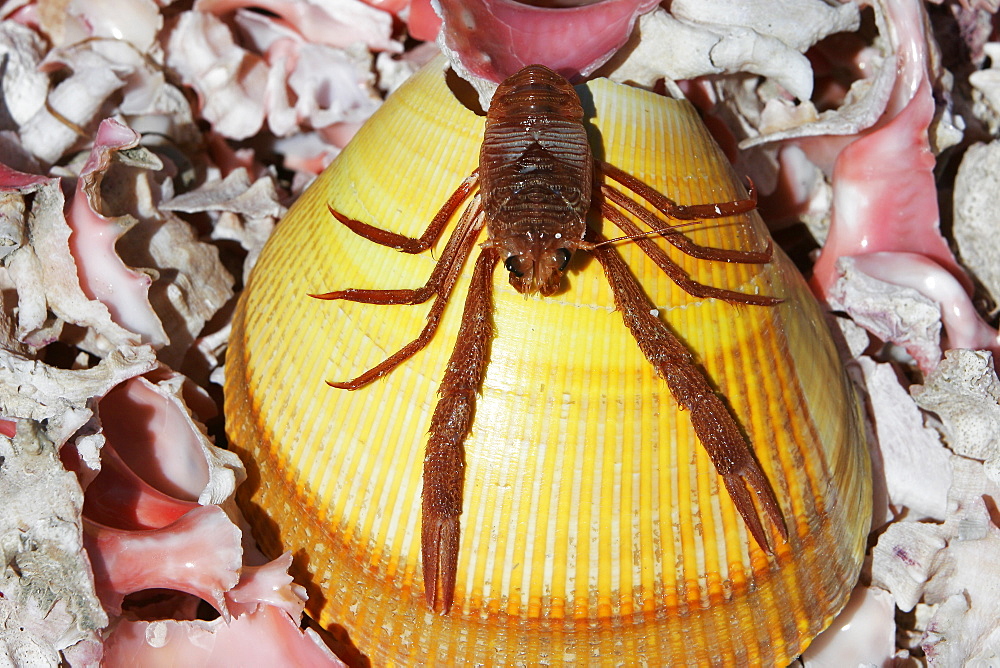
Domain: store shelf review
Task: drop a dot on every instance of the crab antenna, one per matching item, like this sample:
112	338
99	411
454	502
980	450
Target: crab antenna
649	233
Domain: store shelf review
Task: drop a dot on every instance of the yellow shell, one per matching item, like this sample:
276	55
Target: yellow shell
595	528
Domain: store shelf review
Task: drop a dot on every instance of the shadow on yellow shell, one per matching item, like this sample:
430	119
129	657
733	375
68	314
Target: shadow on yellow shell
595	528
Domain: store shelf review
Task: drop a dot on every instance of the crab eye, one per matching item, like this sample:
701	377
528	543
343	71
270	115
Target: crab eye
513	265
565	255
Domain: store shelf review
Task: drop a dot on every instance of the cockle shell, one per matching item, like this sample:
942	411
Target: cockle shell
595	529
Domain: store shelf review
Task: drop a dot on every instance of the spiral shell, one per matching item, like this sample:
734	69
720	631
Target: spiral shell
595	528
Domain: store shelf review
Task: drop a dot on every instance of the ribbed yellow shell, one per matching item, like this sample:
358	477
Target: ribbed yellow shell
595	528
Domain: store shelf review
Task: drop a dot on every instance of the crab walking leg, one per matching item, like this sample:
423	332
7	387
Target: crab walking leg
715	426
673	270
444	460
441	283
672	209
675	237
455	251
424	241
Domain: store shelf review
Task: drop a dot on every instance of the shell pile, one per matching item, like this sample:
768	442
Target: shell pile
595	527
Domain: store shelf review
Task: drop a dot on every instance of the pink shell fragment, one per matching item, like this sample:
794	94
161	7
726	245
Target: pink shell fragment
103	274
885	197
199	554
153	437
268	637
493	39
13	180
269	584
262	631
337	23
423	23
229	80
249	68
171	553
119	498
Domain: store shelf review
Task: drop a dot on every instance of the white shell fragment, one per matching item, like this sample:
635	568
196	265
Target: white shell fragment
903	559
61	398
963	391
863	104
45	276
270	74
977	216
890	311
952	567
48	606
226	74
766	38
916	466
863	634
796	23
133	21
986	83
24	84
247	212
